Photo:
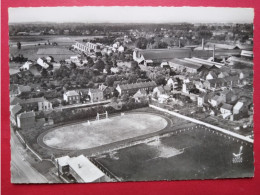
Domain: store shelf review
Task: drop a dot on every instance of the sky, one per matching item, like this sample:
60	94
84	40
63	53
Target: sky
131	14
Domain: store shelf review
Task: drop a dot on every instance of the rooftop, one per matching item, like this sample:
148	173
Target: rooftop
26	114
85	169
227	106
71	93
138	85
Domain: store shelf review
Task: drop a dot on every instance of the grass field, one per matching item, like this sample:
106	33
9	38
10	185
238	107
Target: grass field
194	154
97	133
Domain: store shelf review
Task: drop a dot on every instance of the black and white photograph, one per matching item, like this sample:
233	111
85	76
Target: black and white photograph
117	94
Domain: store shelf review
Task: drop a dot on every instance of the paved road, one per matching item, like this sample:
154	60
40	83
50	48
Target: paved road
21	170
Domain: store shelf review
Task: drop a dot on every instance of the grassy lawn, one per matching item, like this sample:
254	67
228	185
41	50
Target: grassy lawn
205	155
106	131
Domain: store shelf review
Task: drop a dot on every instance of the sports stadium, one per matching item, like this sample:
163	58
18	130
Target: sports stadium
152	145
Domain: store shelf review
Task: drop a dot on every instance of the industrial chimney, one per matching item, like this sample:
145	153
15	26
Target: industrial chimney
213	53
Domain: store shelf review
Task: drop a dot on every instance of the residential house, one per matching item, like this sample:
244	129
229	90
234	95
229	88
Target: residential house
36	104
211	75
226	110
44	105
96	95
199	85
158	91
163	98
172	82
227	95
26	120
131	89
241	108
26	66
34	71
108	92
43	63
71	97
140	95
223	75
215	84
186	87
204	98
216	101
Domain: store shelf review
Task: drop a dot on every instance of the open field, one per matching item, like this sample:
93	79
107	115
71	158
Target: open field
97	133
193	154
60	39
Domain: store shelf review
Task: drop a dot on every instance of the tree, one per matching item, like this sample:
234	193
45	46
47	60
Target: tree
134	66
110	80
19	45
141	43
44	72
162	45
125	97
100	65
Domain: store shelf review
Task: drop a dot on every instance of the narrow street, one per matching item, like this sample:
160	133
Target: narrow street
21	170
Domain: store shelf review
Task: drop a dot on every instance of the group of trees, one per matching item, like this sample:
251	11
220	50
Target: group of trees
91	112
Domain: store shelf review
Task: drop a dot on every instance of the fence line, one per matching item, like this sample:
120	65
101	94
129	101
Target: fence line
247	139
27	146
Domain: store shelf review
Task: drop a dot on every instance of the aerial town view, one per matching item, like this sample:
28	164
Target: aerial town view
130	99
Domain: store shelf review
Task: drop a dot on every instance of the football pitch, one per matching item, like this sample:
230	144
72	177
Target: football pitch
195	154
92	134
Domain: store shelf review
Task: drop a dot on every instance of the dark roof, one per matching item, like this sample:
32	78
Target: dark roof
221	46
27	114
165	54
138	85
225	92
95	90
33	100
227	106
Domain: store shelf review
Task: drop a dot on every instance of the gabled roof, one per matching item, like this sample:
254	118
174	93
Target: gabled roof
213	74
161	89
226	91
71	93
227	106
216	98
